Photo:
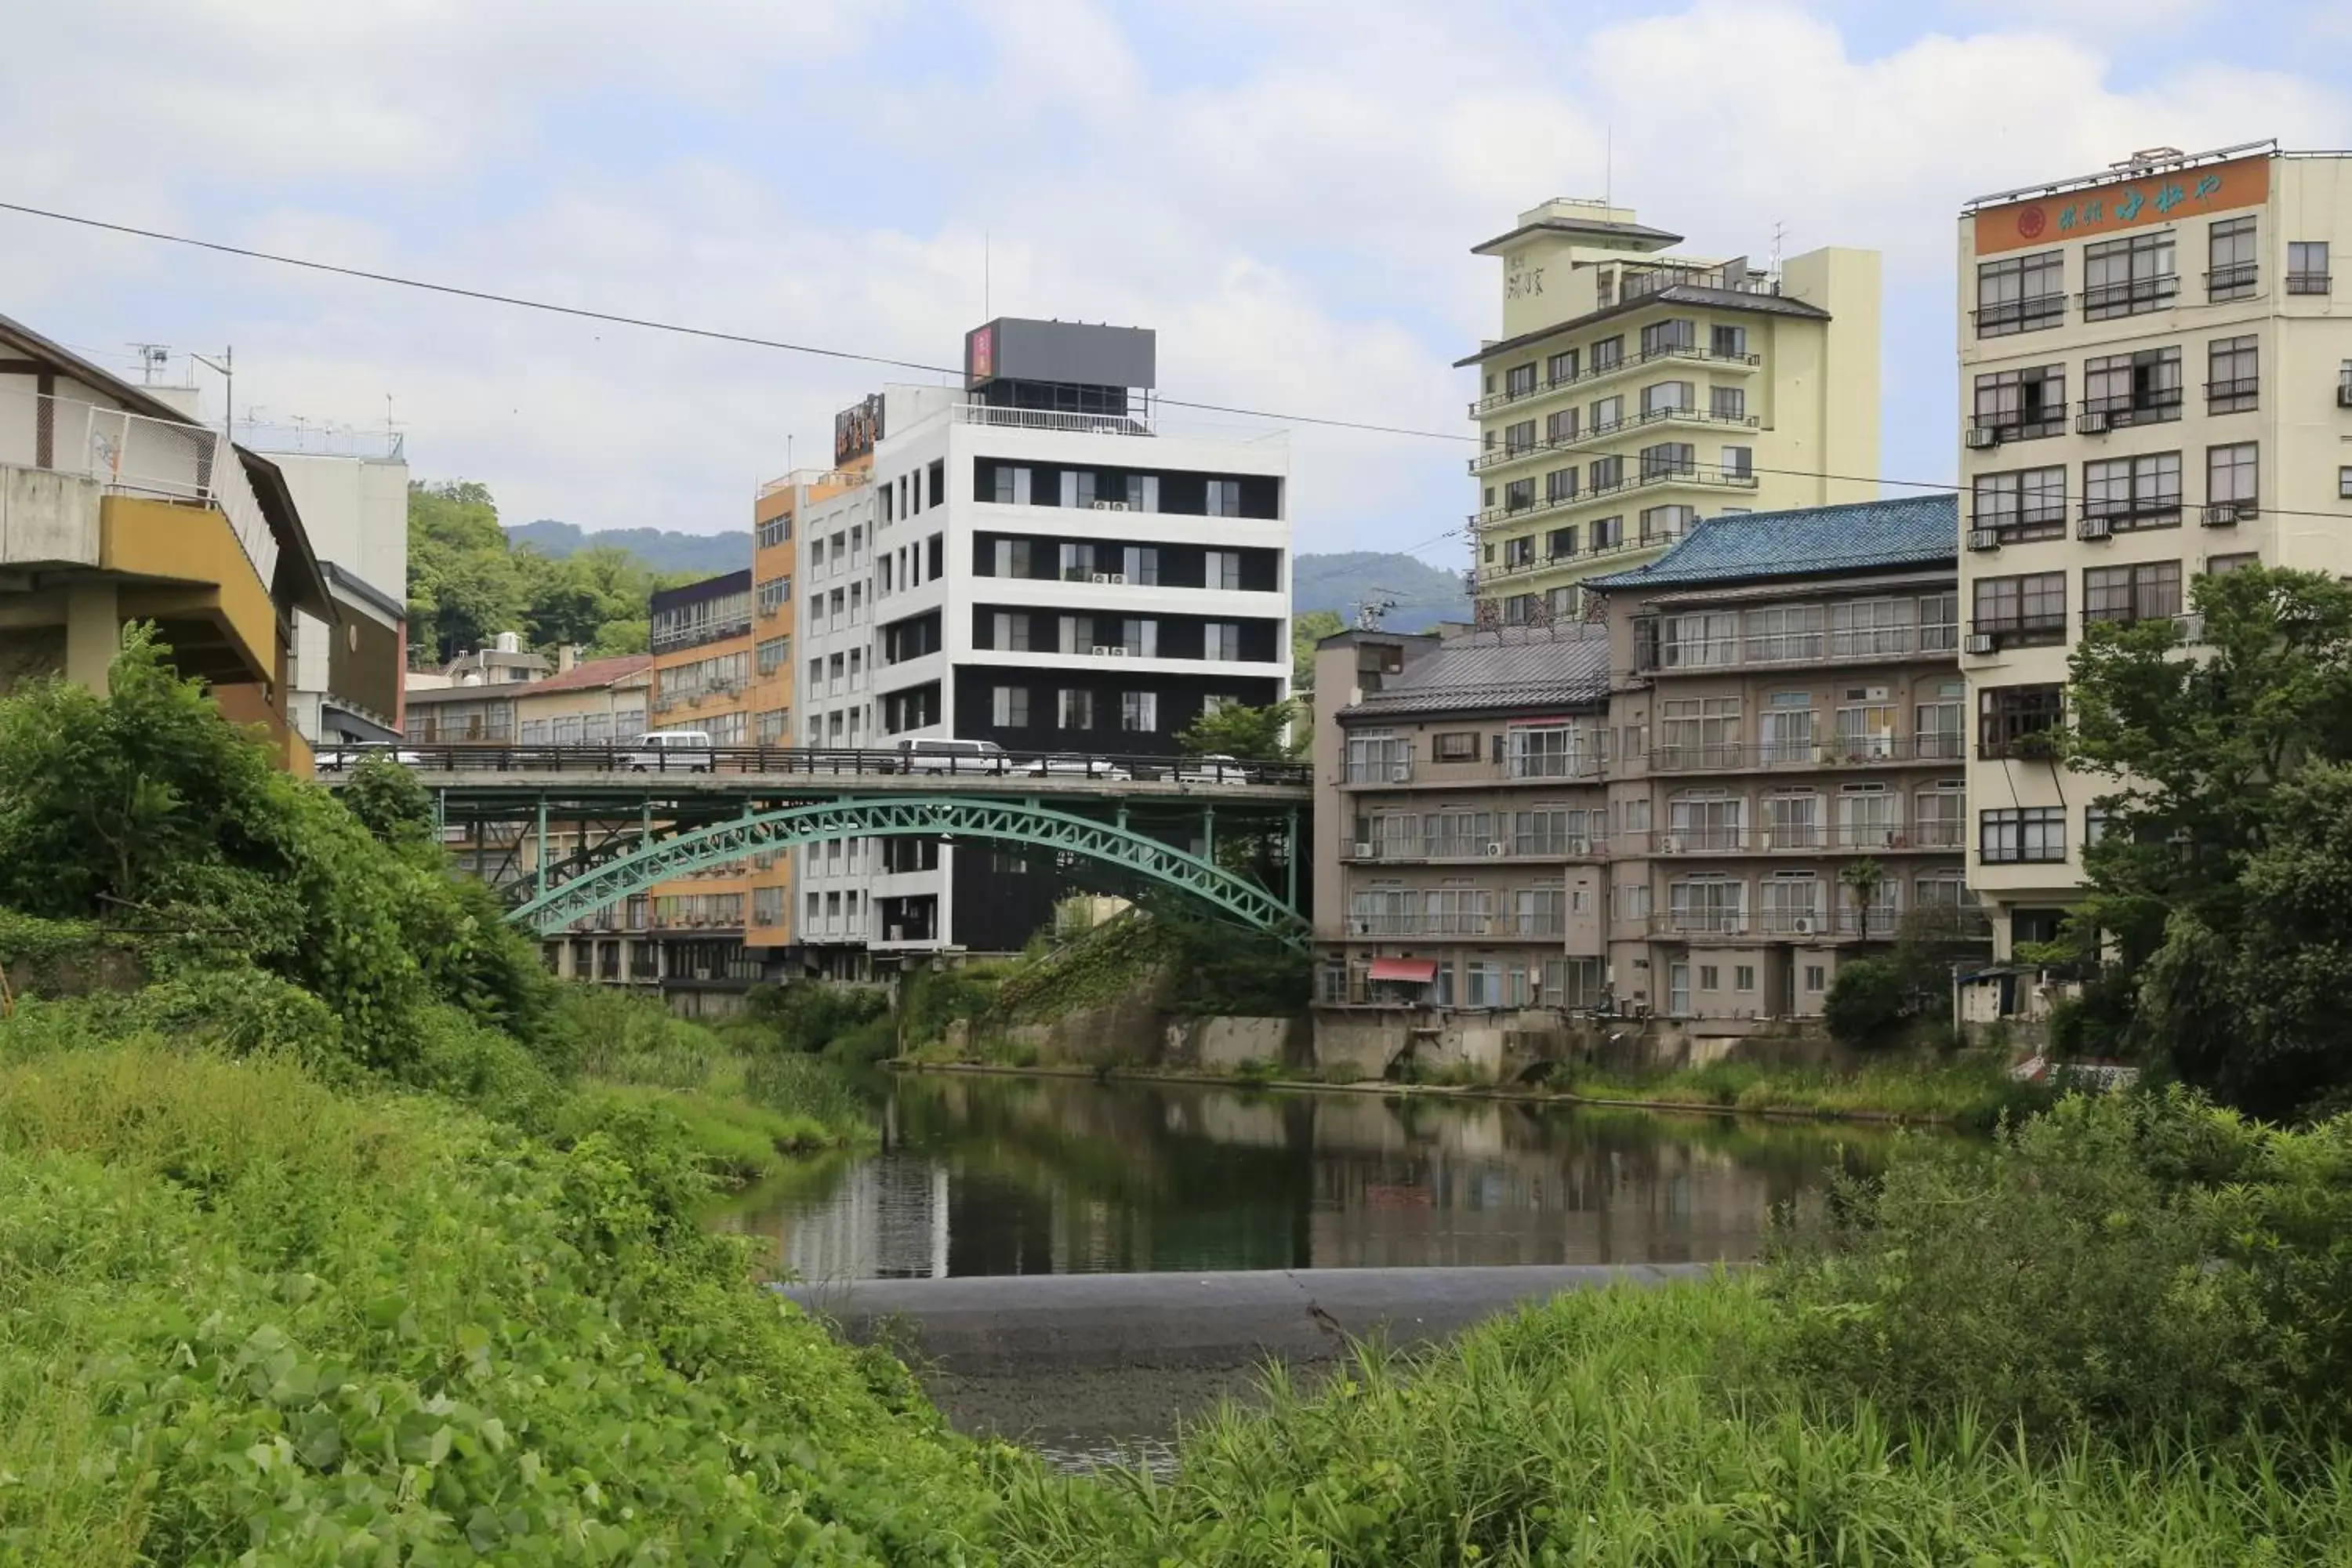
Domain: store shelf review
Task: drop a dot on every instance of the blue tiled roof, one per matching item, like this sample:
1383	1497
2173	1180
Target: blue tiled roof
1816	541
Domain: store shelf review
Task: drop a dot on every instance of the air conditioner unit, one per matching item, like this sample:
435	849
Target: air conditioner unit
1984	539
1979	437
2343	394
1580	845
2192	627
1802	925
2222	514
1674	846
1495	847
1104	650
1118	650
1110	506
1363	850
1980	642
2096	527
2091	424
1098	577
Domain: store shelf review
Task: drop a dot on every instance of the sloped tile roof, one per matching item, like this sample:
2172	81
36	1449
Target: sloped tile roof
1517	666
590	672
1811	541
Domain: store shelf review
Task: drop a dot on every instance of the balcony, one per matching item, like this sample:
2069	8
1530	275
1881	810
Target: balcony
1847	646
1544	768
1875	839
2233	396
1420	851
2307	282
2133	297
1701	924
2022	424
2232	280
2126	410
1507	397
1990	635
2026	525
1499	456
2103	516
2032	314
1486	576
1858	752
1691	476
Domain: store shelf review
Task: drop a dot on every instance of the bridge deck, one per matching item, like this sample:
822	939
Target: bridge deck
465	793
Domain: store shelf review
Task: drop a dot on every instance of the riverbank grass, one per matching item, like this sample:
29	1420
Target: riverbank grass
1973	1092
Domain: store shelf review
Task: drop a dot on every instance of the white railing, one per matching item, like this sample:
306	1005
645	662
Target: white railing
136	455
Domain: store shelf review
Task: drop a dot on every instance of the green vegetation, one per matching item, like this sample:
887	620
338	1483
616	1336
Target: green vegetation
1968	1361
1245	734
1308	628
2216	932
1970	1093
467	581
1341	581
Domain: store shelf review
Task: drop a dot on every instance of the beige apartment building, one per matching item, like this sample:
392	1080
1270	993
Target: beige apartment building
1659	812
1634	391
2154	384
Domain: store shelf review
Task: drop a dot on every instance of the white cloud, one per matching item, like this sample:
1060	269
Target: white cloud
1289	200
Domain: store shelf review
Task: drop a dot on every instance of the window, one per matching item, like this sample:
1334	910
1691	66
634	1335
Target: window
1560	367
1783	633
2231	474
1454	746
1077	562
1076	710
2135	388
2022	609
1678	993
1633	900
2028	503
1140	565
776	530
1519	437
1939	623
1728	342
1077	488
1222	641
1140	637
2134	493
1221	569
1699	732
1668	337
1738	463
1378	759
2020	294
1519	380
1013	557
1483	981
1663	523
2306	266
1668	396
2034	833
1009	708
532	732
2223	565
1668	458
1937	728
1701	640
2232	375
1608	355
774	654
1556	751
2021	404
1537	913
1605	474
1560	542
1011	486
1707	904
1709	819
2129	277
1518	495
1559	485
1139	711
1817	977
1868	629
1710	977
2146	591
773	726
1608	414
2229	258
1608	532
1225	497
1792	903
1728	403
1560	426
2018	721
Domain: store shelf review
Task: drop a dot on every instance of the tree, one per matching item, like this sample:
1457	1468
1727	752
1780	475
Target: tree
466	586
2207	896
1863	878
1247	734
1866	1003
1305	631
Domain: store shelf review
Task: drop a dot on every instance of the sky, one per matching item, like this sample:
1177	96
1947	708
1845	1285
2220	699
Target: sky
1287	190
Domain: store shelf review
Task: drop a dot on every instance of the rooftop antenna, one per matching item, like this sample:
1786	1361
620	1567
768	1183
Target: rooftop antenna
1369	612
152	359
1780	231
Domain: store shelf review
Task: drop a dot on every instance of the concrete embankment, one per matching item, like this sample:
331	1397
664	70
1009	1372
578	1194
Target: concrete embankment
1041	1323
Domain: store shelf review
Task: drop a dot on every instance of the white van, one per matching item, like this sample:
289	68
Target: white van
671	751
943	757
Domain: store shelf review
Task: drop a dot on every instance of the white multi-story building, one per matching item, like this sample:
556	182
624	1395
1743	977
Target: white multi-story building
2158	385
1038	561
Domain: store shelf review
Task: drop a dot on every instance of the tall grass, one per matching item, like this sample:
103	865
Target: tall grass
1973	1092
1602	1428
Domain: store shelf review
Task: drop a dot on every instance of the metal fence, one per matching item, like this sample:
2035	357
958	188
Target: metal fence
785	760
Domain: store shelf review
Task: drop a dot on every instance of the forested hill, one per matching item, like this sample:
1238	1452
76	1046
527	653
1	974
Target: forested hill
662	550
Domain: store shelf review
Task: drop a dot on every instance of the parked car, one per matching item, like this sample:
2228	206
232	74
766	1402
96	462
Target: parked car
1215	768
671	751
1074	767
950	756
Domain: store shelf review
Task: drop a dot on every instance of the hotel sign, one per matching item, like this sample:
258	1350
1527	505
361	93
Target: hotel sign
856	429
2125	203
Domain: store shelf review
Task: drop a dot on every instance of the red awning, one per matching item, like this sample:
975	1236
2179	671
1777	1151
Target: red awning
1418	971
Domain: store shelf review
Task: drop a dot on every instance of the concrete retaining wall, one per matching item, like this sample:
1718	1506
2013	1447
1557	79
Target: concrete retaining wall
1223	1045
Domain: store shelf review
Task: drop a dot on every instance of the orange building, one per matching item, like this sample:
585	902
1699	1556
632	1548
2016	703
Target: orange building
701	641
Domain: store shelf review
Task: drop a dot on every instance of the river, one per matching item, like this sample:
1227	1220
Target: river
986	1175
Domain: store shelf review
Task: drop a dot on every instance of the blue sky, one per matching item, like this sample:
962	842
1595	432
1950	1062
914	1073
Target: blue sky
1286	189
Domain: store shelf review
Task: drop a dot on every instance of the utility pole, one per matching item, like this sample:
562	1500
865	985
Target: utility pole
226	367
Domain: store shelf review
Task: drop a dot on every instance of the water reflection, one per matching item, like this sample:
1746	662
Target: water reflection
998	1175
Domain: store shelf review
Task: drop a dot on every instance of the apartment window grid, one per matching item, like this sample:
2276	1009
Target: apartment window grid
1139	712
1559	485
1009	707
1701	640
2022	505
2129	277
1664	525
1707	904
1561	368
2232	474
1458	912
1698	731
1379	759
1608	355
1728	342
2022	404
1793	819
772	654
1940	725
1728	403
1791	903
1519	380
2232	375
2147	590
1788	728
2018	721
775	532
2021	294
1555	830
2306	266
1938	816
1663	397
1456	834
2133	493
1390	834
1539	912
1604	473
2021	835
2139	388
1707	819
2233	264
1784	634
2028	607
1520	436
772	727
1552	752
2223	565
1867	628
1560	428
1669	459
1676	336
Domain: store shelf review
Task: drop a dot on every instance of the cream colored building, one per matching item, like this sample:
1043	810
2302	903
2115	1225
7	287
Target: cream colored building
1634	391
2154	384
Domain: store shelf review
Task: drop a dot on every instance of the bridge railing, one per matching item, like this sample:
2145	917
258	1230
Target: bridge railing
499	757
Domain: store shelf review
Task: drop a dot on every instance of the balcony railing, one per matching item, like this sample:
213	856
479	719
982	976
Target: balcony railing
1865	751
1486	575
1506	397
1696	476
1990	634
1875	837
1701	922
2134	296
2307	282
2232	396
2125	409
2028	314
1497	457
2232	280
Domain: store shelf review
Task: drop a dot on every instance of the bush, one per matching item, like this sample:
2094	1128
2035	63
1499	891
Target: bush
1867	1002
2132	1262
810	1014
